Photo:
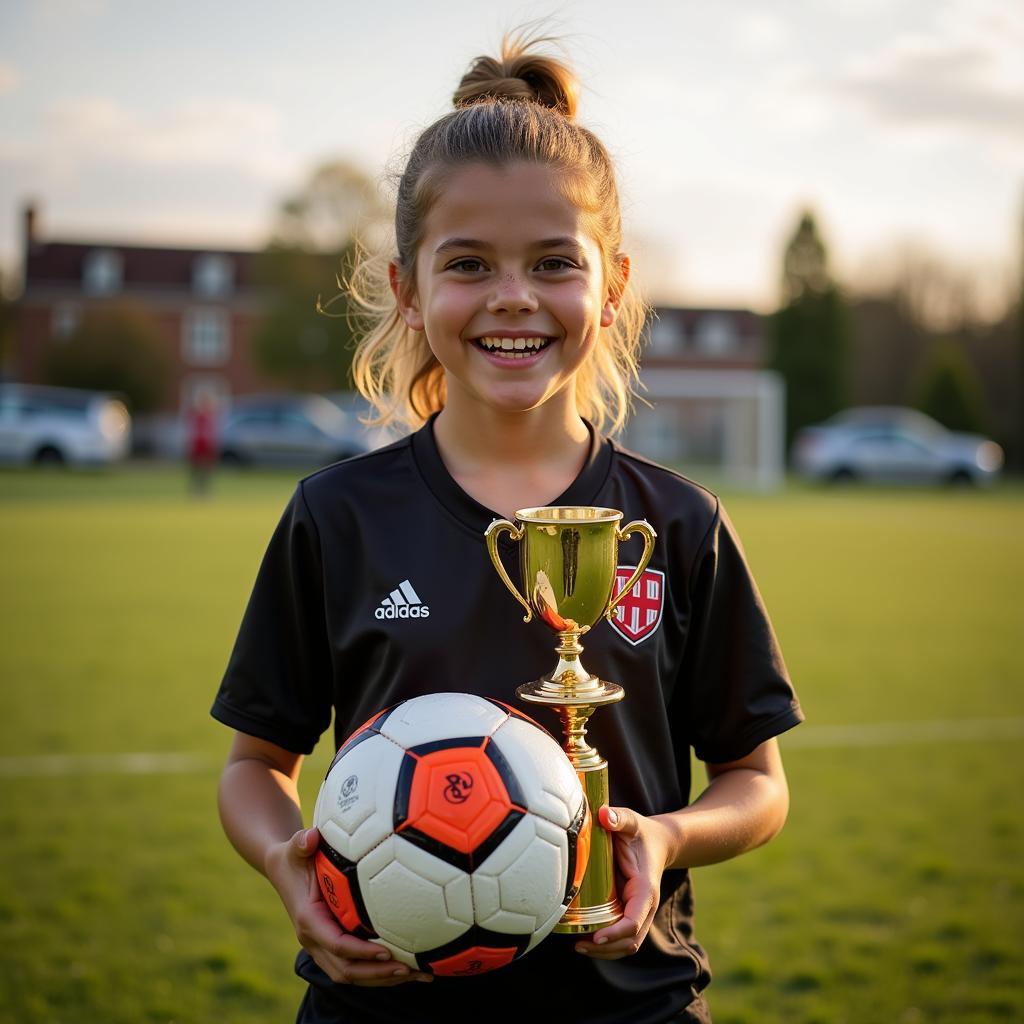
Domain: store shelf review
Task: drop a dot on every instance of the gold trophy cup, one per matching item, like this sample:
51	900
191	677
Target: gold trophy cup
567	557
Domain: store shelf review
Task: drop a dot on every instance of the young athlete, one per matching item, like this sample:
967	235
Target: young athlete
510	341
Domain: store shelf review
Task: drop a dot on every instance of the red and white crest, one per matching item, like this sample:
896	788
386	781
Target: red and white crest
639	613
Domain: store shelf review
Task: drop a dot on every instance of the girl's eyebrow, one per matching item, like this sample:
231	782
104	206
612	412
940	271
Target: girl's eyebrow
561	242
460	243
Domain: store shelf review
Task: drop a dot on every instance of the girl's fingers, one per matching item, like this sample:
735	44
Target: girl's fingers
368	973
617	940
351	948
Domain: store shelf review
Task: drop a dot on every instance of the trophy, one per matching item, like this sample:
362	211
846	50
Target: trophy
568	557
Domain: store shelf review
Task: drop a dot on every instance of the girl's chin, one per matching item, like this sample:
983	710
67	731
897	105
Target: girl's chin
511	400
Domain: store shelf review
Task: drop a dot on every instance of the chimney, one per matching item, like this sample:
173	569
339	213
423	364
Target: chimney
30	222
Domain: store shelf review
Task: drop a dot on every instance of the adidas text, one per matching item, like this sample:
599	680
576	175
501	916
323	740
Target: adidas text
405	611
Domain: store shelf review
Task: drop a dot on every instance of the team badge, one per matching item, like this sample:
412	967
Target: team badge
639	613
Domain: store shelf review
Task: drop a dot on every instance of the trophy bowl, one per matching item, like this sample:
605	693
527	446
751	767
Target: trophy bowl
568	555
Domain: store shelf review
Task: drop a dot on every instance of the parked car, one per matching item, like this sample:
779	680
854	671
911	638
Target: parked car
61	426
893	444
287	429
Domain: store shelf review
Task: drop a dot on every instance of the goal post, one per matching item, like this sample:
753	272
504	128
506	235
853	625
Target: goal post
726	425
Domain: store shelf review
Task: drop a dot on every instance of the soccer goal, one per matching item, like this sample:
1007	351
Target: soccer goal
716	425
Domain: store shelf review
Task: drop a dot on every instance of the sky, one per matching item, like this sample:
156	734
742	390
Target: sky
899	123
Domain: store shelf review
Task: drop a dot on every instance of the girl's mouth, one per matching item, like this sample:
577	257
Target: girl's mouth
512	348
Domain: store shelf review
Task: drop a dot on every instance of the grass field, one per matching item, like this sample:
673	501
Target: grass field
895	894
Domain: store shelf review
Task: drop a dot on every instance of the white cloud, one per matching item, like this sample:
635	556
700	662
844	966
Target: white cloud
963	77
220	133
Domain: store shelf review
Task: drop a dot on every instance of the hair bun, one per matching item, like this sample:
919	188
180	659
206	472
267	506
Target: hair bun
521	73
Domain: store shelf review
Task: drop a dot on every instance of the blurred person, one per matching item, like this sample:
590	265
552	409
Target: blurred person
201	443
511	340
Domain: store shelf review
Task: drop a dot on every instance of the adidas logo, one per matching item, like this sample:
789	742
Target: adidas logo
402	603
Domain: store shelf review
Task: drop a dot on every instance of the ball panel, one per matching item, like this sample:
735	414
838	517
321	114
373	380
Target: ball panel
439	715
371	727
414	900
339	886
403	956
464	956
457	797
477	960
355	806
548	781
521	884
578	836
514	712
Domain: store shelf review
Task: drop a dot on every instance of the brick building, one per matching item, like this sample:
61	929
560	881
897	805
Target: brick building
205	303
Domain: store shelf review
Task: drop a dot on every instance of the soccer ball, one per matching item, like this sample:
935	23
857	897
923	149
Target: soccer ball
454	832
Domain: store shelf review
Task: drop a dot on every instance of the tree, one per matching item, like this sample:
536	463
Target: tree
305	263
950	390
115	348
808	334
296	343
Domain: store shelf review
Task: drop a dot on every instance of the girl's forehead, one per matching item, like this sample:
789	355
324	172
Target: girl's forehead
481	201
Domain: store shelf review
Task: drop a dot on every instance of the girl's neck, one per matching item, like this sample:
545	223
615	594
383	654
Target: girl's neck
513	460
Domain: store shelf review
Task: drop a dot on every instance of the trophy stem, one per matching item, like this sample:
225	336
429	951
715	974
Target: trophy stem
596	904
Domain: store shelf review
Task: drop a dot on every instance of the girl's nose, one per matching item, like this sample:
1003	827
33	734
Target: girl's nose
512	294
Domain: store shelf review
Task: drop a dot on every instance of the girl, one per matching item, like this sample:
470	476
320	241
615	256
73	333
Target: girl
509	341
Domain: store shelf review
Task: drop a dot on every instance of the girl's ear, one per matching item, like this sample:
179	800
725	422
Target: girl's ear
405	297
616	288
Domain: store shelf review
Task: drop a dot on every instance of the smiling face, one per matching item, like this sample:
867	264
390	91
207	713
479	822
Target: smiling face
509	287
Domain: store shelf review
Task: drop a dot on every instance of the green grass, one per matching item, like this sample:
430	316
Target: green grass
895	894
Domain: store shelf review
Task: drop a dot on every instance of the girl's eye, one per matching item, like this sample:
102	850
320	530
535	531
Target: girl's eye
469	265
555	263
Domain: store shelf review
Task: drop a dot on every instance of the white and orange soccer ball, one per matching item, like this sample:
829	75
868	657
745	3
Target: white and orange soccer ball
454	832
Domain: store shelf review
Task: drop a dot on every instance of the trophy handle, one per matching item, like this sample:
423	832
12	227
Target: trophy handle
646	531
491	535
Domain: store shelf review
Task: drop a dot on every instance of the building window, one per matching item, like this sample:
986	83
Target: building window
102	272
207	337
66	318
212	275
716	335
666	338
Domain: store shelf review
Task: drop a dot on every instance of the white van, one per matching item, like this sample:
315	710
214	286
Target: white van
61	426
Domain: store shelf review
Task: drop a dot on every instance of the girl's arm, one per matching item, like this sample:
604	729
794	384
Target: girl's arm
260	810
744	805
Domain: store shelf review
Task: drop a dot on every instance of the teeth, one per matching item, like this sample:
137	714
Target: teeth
514	348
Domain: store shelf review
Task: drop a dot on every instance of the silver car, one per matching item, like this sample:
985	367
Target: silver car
287	429
893	444
58	426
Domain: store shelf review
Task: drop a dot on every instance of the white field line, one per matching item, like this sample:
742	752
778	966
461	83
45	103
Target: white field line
867	734
894	734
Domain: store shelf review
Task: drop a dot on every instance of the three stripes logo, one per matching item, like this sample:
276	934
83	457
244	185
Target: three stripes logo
402	603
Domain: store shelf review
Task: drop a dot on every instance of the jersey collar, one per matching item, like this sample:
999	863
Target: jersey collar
476	517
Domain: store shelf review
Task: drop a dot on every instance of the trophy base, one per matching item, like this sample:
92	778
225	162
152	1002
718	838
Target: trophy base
558	691
580	920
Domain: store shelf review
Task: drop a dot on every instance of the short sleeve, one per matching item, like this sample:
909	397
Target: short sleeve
738	690
278	682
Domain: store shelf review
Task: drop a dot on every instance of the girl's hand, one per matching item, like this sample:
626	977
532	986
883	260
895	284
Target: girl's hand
641	852
342	957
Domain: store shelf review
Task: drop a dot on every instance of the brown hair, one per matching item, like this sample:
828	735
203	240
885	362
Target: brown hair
520	106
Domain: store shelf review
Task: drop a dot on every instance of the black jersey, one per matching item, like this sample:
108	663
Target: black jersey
376	587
